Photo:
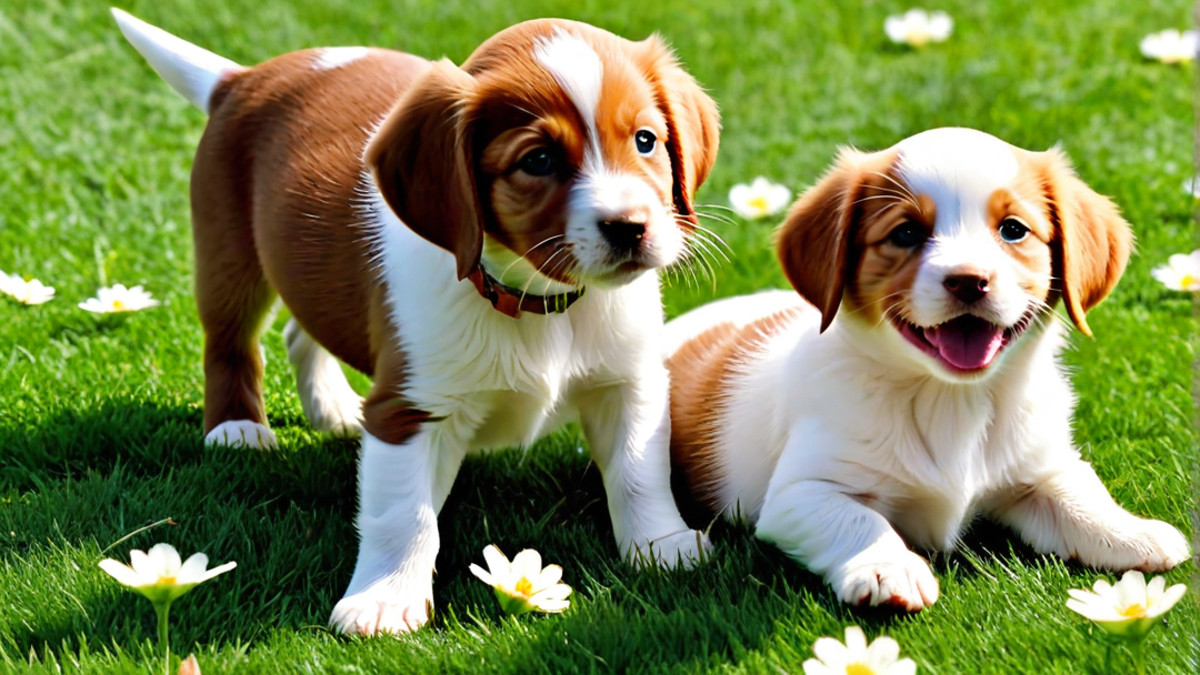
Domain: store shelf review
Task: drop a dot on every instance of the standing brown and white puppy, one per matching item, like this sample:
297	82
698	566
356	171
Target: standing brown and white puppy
935	395
437	227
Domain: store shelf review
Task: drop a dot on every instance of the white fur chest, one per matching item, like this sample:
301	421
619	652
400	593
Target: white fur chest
497	380
922	452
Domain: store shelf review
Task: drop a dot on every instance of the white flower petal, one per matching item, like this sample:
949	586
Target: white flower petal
1131	589
902	667
1094	611
483	575
895	28
778	197
165	560
527	564
831	652
121	572
499	566
140	562
219	569
1154	590
552	606
1168	600
547	578
940	25
556	592
882	653
193	568
856	643
1183	262
1104	589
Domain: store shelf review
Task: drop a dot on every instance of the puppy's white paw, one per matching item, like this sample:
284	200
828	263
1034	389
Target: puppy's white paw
1147	545
241	432
682	549
338	416
329	402
899	579
383	609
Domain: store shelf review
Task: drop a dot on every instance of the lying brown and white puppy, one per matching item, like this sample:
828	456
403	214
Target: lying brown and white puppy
437	227
935	395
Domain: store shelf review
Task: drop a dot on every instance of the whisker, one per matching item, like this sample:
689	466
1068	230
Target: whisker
525	290
531	250
902	186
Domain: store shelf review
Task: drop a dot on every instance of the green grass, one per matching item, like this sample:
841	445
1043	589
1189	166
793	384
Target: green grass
100	420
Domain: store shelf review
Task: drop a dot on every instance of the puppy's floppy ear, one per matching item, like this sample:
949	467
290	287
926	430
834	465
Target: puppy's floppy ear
1092	240
423	163
693	123
816	239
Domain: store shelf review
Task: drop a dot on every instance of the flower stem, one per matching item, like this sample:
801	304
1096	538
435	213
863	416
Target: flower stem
1139	657
163	609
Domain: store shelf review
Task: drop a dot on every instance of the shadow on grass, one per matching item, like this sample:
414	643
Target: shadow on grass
82	480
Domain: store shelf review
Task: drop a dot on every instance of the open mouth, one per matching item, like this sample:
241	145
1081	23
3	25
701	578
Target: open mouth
966	344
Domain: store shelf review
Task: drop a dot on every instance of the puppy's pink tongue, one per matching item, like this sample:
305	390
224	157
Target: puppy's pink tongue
967	343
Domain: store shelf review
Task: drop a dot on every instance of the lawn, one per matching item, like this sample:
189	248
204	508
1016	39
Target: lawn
100	419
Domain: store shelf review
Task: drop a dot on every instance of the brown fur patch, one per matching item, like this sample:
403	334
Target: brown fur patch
273	188
702	371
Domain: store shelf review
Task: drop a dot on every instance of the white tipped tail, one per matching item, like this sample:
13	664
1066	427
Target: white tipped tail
190	70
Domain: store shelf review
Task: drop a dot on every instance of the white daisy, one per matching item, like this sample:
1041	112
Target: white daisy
159	575
1181	273
917	28
523	585
759	199
117	298
881	657
1131	607
1170	46
25	291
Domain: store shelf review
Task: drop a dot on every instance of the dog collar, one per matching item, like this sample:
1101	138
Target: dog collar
512	301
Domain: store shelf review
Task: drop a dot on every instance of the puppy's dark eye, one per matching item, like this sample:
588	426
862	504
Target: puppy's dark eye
1013	230
645	140
908	235
540	162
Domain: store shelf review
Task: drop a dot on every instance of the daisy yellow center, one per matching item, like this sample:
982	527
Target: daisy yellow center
1187	280
758	203
1134	612
859	669
118	305
919	38
524	587
166	581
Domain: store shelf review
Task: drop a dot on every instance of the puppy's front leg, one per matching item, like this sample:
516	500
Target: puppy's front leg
820	522
401	490
1070	513
628	427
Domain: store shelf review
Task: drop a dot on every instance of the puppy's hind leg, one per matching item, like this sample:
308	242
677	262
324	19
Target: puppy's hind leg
234	299
329	402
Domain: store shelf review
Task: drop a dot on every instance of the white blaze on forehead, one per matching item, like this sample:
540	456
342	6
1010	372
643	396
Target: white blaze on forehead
579	71
958	169
336	57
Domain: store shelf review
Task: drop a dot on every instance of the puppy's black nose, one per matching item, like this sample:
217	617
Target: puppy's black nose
623	235
969	288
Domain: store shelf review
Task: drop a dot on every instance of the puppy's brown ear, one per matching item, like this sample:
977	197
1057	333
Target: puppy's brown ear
422	162
816	239
1092	242
693	123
